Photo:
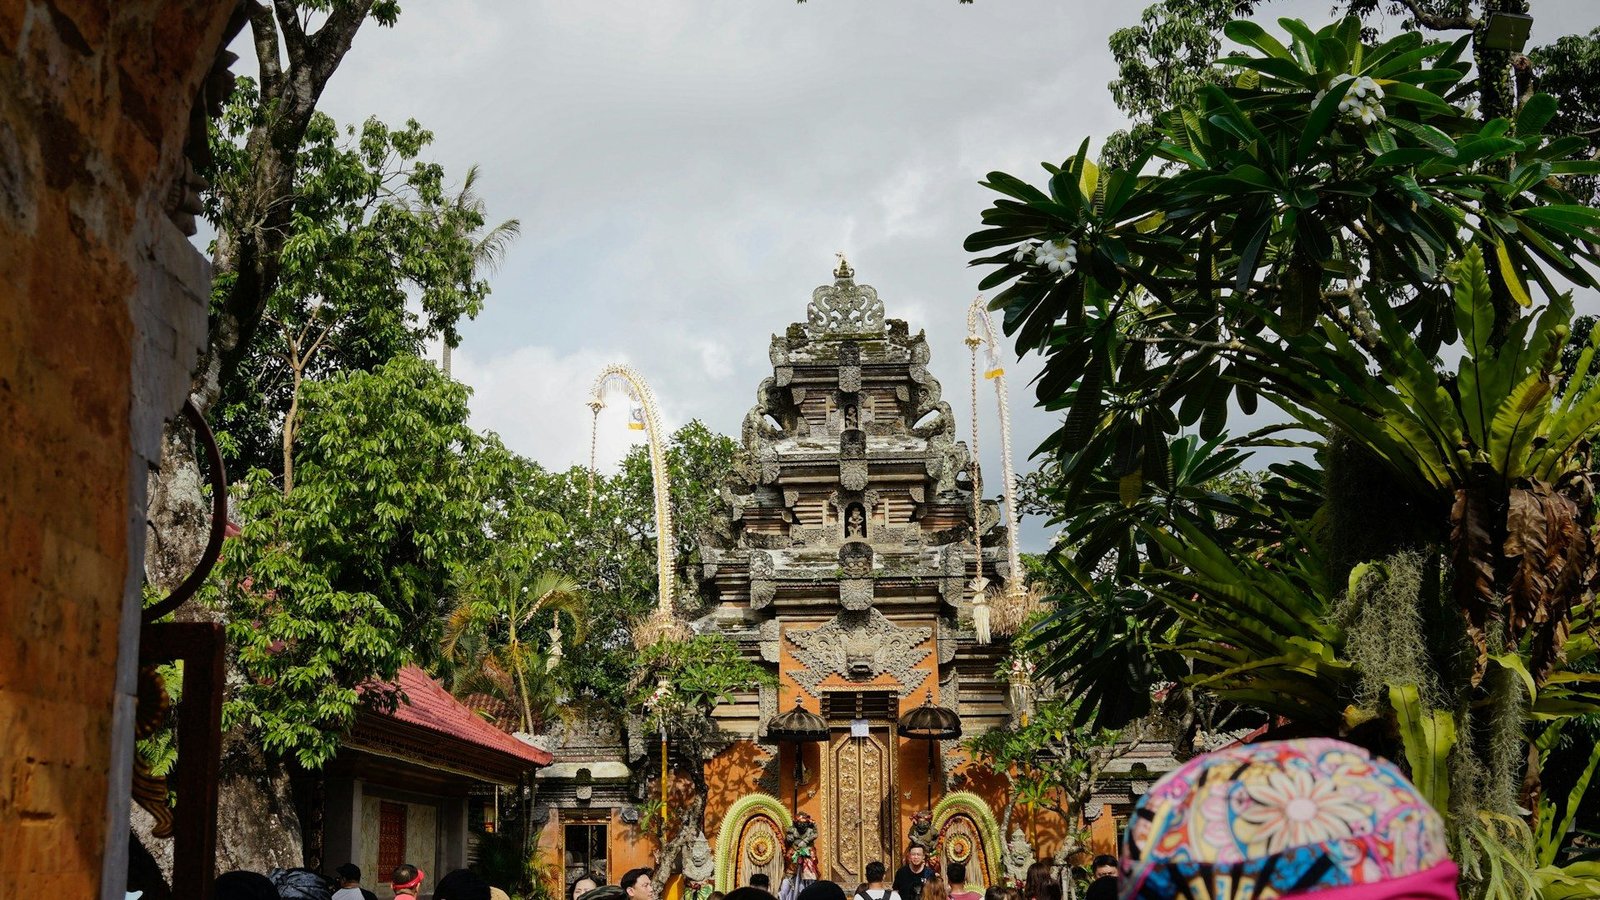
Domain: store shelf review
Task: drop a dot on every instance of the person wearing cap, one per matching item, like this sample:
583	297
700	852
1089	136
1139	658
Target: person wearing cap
407	880
1314	818
350	884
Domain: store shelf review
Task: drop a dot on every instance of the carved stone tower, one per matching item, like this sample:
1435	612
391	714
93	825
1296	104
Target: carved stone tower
845	560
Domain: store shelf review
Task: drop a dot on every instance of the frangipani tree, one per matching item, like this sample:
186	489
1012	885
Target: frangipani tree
1323	224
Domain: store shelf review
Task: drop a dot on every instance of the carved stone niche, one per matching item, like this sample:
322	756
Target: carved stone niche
853	460
850	367
855	583
850	413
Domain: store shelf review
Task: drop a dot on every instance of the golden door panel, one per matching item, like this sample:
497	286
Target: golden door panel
858	797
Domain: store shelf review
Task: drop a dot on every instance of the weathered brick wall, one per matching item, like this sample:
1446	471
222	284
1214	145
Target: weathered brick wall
101	311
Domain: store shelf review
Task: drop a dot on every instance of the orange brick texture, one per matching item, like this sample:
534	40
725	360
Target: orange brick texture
99	321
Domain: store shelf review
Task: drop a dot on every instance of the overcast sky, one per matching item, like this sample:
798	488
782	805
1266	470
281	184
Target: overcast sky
684	171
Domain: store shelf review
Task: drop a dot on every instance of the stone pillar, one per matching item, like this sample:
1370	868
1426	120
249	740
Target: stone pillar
452	834
102	309
341	825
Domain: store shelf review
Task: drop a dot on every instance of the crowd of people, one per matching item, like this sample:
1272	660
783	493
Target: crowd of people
1252	822
917	879
406	881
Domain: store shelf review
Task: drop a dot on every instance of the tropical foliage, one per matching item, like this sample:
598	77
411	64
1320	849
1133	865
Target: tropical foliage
1052	763
677	685
1328	217
338	581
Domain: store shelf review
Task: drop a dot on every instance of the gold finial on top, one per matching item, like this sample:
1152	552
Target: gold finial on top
844	270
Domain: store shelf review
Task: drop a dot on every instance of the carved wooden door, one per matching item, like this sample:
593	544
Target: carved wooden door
858	804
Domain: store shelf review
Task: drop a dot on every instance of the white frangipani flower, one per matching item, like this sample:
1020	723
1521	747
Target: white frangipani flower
1362	102
1469	108
1337	80
1024	250
1060	257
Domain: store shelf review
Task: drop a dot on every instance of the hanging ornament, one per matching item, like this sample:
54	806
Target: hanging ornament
980	608
554	656
636	417
994	368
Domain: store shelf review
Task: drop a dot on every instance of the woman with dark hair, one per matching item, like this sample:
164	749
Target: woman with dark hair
1041	883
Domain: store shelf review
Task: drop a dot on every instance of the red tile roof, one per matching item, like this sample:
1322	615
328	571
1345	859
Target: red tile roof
432	707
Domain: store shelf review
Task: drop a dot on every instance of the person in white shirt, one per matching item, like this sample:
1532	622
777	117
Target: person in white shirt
874	888
350	884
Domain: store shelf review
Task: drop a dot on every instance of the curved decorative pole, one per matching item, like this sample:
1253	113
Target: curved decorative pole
980	332
661	624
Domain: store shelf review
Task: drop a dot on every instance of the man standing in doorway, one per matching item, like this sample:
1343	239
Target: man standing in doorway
913	875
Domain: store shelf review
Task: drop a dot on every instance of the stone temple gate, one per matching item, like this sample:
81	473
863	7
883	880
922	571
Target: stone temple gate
844	561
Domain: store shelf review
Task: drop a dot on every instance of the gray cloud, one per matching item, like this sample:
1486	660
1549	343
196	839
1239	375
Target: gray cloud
685	169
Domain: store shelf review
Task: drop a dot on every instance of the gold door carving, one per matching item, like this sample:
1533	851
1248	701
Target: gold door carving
858	800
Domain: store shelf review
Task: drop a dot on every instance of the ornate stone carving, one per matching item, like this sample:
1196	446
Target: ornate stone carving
859	646
947	458
844	307
855	593
850	367
699	865
947	645
855	559
762	585
771	643
1018	857
954	574
767	703
853	460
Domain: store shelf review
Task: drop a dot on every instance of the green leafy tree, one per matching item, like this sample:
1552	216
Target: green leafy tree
495	639
339	582
1298	249
376	233
607	546
1053	763
1171	53
676	687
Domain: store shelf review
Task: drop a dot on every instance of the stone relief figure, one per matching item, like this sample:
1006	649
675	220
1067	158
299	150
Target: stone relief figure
852	417
855	522
922	834
699	868
859	645
1018	857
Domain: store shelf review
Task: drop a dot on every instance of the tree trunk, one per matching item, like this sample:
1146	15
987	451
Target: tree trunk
258	828
288	431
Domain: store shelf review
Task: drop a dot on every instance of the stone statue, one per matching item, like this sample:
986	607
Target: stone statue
922	834
799	842
852	418
855	523
1018	857
699	868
